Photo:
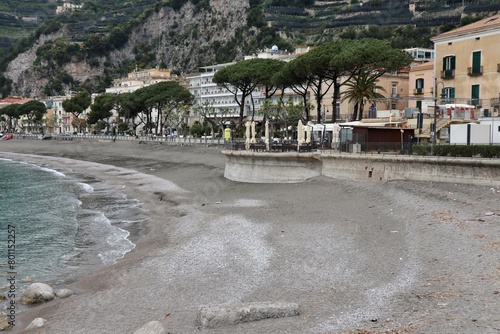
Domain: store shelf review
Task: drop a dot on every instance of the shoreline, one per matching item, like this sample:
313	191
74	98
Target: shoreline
113	178
397	257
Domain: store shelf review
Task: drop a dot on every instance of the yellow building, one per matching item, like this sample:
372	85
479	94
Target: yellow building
421	87
394	89
139	79
467	66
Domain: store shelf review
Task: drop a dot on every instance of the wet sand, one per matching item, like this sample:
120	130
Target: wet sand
394	257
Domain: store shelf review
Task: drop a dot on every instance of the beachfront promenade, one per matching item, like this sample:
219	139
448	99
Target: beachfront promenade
258	166
396	256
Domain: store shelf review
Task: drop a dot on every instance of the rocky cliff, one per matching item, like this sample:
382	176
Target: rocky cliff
182	40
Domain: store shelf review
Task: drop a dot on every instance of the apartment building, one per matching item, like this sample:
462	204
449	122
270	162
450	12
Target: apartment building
421	87
467	66
139	79
206	92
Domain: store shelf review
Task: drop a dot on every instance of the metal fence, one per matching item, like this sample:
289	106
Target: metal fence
153	139
353	145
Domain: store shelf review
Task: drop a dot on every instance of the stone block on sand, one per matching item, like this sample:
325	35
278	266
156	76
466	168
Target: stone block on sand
216	316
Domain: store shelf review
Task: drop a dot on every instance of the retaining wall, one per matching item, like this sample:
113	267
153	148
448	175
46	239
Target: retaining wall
255	167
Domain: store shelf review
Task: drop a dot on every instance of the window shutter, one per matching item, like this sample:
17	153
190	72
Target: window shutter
475	92
476	61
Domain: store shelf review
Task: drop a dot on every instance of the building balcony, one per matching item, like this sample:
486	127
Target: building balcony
475	71
447	74
418	91
495	102
474	102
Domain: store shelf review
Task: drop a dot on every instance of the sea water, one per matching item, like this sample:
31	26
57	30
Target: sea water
64	226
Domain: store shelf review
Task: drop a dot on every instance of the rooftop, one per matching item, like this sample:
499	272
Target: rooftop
425	66
489	23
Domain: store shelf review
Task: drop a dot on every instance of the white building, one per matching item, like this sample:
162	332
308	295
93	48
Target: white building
66	6
205	91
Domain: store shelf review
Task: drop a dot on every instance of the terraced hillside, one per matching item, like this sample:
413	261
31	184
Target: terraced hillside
90	46
338	14
18	19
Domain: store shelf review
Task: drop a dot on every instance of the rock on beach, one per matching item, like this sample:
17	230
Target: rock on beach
37	293
63	293
36	323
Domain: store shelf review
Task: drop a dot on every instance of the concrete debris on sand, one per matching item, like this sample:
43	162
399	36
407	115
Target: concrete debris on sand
152	327
216	316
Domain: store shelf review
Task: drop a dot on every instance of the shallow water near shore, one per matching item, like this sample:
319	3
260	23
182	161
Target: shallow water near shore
65	226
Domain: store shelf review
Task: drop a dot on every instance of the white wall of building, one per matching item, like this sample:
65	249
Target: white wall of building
470	134
494	123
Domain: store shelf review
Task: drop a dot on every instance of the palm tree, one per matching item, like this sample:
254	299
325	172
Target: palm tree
362	87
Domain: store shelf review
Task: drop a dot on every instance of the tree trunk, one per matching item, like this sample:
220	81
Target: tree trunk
318	104
336	89
361	107
159	125
253	106
306	107
355	111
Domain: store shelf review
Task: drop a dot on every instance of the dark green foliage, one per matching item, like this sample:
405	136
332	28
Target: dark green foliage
401	36
484	151
48	27
144	55
78	103
9	114
197	129
292	3
58	82
57	52
101	108
118	37
255	18
53	87
34	110
177	4
5	86
96	84
470	19
245	76
165	97
265	39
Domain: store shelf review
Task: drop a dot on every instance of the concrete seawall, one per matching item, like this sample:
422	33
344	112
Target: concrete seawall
255	167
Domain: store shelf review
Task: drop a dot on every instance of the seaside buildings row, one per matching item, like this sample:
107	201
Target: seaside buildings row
461	75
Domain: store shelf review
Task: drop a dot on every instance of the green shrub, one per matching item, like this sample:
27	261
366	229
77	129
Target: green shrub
484	151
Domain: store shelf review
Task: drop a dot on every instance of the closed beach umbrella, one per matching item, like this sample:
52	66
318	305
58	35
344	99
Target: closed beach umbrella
308	133
267	135
300	132
247	132
247	135
253	132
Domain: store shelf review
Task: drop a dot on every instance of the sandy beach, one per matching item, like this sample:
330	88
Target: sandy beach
387	257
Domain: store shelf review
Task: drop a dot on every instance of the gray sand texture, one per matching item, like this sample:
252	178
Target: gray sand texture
321	256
